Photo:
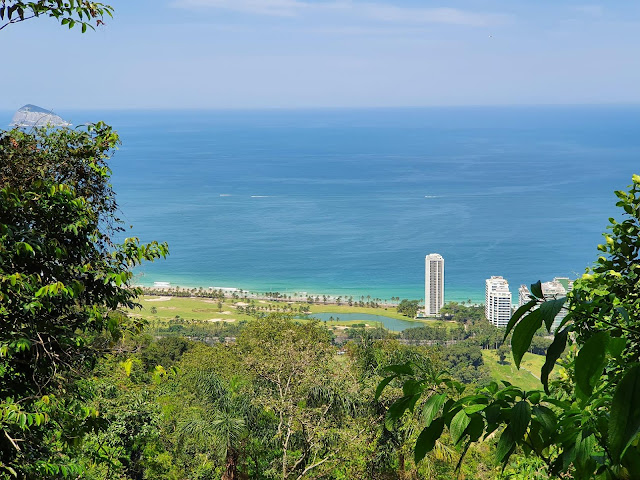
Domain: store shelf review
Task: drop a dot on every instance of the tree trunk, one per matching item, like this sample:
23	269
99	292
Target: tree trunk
231	470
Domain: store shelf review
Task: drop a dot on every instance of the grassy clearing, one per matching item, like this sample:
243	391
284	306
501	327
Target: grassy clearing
202	309
188	308
526	377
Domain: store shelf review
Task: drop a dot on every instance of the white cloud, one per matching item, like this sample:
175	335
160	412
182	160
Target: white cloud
381	12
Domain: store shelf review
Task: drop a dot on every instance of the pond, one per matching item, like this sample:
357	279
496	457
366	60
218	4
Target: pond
387	322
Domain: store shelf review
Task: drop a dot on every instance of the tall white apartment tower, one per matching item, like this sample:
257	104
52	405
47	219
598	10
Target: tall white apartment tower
433	284
497	306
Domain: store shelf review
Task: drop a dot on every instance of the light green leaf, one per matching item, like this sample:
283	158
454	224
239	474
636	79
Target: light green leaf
458	425
432	407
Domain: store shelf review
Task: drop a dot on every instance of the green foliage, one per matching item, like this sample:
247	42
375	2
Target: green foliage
83	13
408	308
587	423
62	281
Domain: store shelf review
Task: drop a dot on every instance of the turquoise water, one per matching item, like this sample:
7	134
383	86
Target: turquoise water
350	201
387	322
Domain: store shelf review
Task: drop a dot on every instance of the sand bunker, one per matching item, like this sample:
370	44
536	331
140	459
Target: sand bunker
227	320
159	299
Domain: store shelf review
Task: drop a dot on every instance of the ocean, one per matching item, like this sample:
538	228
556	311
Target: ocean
349	202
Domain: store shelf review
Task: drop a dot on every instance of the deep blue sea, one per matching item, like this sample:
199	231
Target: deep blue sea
350	201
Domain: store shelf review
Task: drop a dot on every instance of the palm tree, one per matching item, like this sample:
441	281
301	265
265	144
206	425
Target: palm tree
222	421
223	431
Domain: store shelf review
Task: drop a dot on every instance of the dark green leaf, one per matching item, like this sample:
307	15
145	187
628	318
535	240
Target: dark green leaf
523	333
520	418
411	387
506	445
404	369
427	438
545	417
517	315
549	310
584	450
616	346
399	407
624	422
534	397
475	428
536	289
591	361
382	385
553	354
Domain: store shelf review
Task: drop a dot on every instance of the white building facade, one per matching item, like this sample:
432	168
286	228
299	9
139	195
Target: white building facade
557	288
433	284
497	306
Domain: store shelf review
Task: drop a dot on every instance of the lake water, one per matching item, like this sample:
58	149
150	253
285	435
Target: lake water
349	202
389	323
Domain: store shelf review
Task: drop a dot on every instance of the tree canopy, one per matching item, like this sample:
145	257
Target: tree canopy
586	422
63	280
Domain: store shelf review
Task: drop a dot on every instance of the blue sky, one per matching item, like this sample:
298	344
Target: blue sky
328	53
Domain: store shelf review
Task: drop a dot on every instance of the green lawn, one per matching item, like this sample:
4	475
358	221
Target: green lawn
526	377
187	308
192	308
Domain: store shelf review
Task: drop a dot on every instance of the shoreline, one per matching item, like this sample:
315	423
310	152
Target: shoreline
297	294
319	303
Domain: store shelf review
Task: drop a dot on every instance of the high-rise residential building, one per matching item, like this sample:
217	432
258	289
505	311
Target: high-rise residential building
556	288
433	284
497	306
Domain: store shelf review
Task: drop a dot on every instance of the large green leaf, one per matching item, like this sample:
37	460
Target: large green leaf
517	315
591	361
520	418
523	333
616	346
411	387
397	409
545	417
458	425
553	354
475	428
506	445
427	439
432	407
549	310
624	421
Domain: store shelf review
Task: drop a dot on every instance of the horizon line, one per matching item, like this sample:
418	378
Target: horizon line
338	107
